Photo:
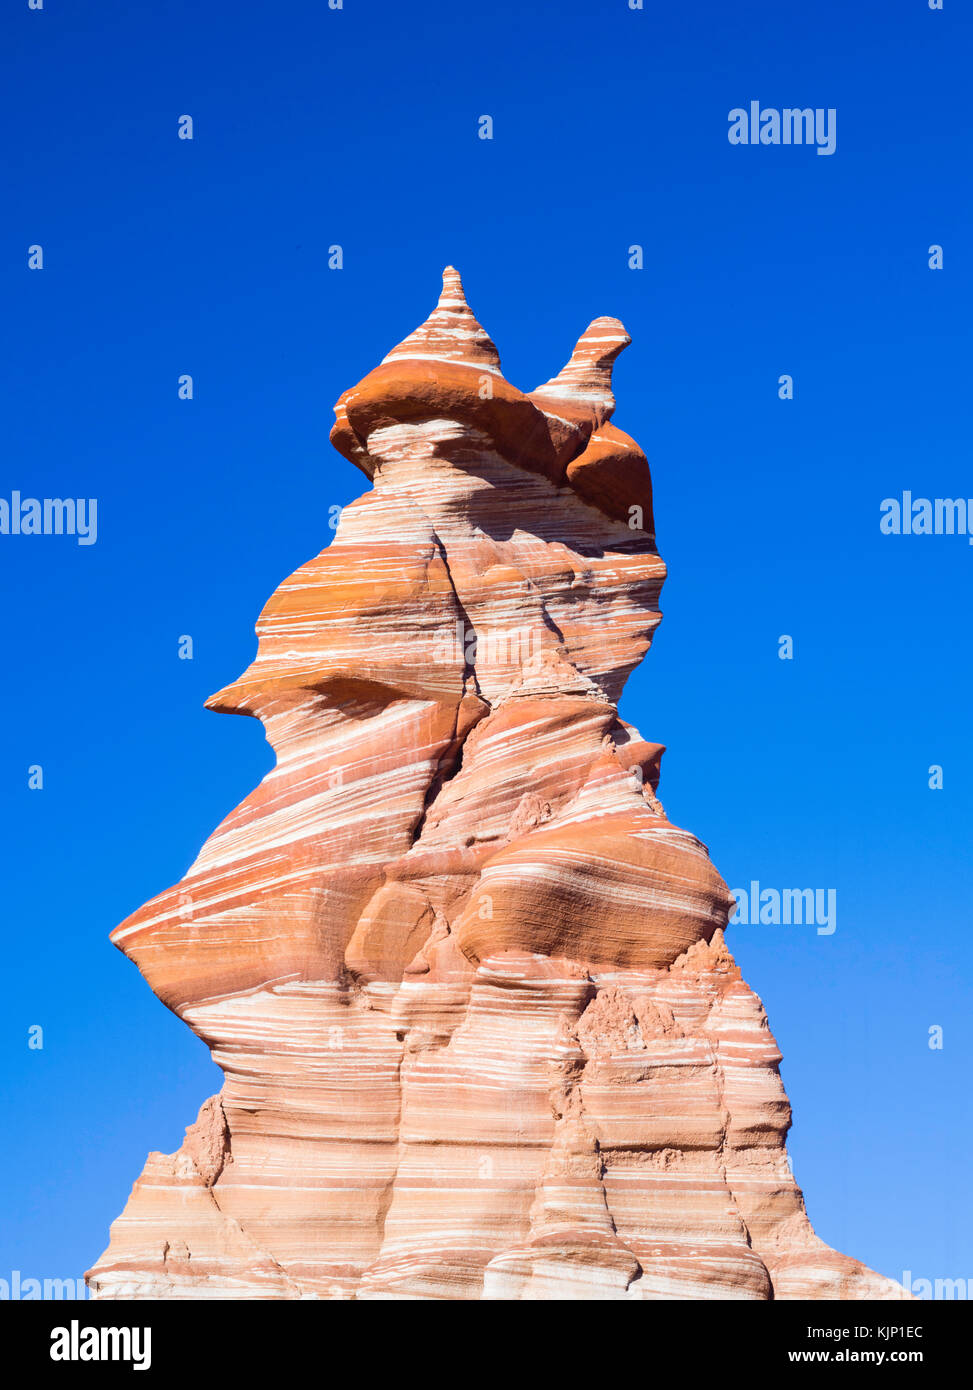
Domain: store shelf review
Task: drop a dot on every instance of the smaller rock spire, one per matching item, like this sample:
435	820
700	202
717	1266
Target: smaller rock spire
583	386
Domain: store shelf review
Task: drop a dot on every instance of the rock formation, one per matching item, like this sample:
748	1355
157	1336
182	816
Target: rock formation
481	1034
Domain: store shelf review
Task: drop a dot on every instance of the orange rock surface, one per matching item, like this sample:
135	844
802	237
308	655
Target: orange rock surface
481	1033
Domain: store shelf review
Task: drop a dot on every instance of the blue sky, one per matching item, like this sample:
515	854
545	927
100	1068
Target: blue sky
359	127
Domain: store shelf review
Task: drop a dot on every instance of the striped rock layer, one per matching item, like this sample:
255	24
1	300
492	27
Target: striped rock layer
481	1033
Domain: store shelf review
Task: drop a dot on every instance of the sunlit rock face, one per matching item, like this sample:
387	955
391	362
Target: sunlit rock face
481	1033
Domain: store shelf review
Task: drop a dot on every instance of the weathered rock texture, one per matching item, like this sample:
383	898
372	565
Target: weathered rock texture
481	1033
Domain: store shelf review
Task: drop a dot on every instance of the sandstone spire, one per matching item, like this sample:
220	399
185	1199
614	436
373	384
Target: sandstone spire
450	333
481	1034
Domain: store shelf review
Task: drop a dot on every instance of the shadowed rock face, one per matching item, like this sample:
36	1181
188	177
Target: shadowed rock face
481	1033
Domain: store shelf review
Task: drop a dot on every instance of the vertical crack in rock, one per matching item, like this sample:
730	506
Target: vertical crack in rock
447	768
480	1030
469	667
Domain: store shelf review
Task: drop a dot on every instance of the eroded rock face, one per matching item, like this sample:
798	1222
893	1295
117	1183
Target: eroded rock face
481	1033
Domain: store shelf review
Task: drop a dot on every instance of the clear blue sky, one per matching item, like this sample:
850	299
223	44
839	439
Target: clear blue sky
359	127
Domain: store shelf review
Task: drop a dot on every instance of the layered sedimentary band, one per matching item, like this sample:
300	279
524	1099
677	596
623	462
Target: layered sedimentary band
480	1030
